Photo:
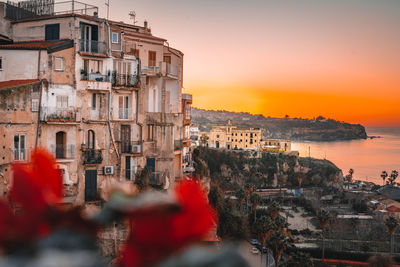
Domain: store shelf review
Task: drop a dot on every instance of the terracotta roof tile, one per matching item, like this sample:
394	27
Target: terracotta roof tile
31	45
11	83
393	209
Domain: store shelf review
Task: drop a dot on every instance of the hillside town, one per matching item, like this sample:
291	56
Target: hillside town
105	97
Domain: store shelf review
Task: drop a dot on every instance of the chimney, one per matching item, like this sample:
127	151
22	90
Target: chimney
145	24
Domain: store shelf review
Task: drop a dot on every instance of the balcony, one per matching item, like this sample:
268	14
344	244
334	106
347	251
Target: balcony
156	179
63	151
21	154
92	156
52	114
95	81
151	70
125	80
134	147
124	113
92	47
178	144
169	70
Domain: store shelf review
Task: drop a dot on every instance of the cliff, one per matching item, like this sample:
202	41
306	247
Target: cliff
319	129
238	168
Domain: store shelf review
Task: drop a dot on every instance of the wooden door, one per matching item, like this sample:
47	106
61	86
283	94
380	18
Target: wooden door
125	138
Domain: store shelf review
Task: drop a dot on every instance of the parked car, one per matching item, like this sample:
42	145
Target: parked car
254	241
254	250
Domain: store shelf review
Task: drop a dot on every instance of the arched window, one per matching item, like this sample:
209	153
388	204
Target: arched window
91	139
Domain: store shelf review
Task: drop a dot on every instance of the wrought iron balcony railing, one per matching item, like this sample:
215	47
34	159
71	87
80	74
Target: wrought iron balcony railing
124	113
53	114
92	156
98	77
126	80
156	179
178	144
63	151
92	46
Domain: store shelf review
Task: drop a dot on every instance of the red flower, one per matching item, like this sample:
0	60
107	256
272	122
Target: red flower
37	184
155	236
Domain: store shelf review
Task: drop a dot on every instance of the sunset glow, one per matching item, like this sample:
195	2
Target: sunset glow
339	59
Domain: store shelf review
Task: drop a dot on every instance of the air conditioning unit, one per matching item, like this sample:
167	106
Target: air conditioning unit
135	149
108	170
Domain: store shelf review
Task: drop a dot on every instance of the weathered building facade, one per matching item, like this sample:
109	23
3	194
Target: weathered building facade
104	97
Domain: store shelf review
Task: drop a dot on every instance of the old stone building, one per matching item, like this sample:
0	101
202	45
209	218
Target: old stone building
104	97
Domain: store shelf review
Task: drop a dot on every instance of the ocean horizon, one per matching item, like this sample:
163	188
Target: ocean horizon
367	157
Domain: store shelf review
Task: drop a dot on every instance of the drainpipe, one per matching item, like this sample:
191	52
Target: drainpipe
109	125
39	111
40	102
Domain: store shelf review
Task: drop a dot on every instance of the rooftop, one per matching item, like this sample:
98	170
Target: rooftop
12	83
37	45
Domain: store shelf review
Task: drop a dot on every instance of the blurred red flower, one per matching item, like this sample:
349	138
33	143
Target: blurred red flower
36	190
38	183
155	236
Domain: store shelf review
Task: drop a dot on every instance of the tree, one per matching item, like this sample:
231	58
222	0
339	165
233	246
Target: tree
274	210
393	176
263	227
240	194
278	243
323	218
255	200
248	188
349	177
204	139
391	225
384	175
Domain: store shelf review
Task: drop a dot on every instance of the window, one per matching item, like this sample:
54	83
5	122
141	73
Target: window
217	135
152	58
59	63
150	132
94	100
167	59
1	63
135	52
35	105
62	101
91	139
52	32
19	147
115	38
123	104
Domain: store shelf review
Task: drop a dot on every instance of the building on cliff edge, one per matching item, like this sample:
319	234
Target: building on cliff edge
105	97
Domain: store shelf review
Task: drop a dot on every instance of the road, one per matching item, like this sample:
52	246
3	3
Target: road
254	260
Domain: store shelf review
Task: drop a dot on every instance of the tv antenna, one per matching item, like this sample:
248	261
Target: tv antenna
132	14
108	7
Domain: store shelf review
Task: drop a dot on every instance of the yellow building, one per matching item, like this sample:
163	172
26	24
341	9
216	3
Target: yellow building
230	137
275	145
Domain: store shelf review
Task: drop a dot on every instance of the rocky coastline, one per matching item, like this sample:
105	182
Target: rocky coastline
297	129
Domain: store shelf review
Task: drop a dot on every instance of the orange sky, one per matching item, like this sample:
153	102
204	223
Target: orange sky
339	59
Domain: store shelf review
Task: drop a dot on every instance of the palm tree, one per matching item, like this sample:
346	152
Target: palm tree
278	243
384	175
391	225
240	194
255	200
274	210
323	218
281	224
349	178
263	227
249	188
393	177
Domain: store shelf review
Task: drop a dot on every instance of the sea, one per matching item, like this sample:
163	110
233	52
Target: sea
368	158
